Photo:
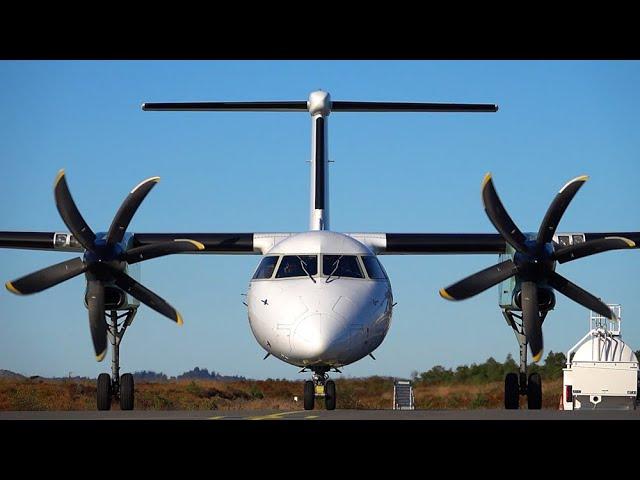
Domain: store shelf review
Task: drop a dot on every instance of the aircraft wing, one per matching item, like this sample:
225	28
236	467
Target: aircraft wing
465	243
253	243
214	243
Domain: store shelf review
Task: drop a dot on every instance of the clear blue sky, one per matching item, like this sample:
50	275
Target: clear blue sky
248	172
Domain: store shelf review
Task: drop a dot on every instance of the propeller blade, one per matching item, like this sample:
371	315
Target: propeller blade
70	213
580	250
146	296
499	216
531	319
480	281
97	323
557	208
47	277
128	209
579	295
147	252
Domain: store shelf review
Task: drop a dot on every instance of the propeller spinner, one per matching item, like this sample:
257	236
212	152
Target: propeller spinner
104	260
534	261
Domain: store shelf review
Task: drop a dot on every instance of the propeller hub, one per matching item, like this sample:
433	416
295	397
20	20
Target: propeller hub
103	252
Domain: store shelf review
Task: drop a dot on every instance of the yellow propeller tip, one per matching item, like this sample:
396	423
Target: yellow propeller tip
198	245
58	177
630	243
100	357
582	179
536	358
179	320
486	180
444	294
144	182
9	286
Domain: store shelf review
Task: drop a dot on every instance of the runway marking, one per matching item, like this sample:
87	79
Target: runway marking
273	416
312	416
216	418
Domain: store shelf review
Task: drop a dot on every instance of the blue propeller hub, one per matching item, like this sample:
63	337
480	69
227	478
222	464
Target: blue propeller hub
103	253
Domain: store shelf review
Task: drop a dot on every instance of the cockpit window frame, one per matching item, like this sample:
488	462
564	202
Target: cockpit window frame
297	277
363	272
275	268
384	272
320	272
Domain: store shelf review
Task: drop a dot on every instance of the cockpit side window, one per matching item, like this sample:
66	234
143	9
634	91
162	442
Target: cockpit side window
374	269
266	267
341	266
298	266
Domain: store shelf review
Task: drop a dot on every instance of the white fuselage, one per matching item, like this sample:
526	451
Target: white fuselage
331	322
320	320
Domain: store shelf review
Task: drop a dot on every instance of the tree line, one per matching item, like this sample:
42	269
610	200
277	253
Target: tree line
491	371
195	374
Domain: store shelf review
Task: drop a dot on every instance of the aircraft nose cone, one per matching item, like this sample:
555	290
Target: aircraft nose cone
318	336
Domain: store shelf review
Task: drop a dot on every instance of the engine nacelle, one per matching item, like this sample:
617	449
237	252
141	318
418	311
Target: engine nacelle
117	299
510	292
546	299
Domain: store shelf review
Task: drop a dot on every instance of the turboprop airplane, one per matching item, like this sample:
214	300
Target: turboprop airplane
318	299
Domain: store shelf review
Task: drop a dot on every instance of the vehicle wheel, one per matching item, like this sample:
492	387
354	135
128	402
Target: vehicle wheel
309	395
103	395
511	392
330	395
126	392
534	392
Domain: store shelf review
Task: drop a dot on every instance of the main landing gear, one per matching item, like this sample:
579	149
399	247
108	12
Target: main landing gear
518	384
320	387
115	386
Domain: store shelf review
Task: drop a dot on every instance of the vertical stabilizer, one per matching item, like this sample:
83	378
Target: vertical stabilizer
319	108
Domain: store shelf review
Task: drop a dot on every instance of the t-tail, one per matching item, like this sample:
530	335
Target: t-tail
319	105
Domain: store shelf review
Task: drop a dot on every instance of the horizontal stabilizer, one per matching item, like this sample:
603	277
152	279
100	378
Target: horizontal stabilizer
339	106
227	106
303	106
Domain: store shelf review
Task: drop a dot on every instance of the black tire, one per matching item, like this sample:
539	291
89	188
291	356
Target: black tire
534	392
511	392
330	395
103	394
309	395
126	392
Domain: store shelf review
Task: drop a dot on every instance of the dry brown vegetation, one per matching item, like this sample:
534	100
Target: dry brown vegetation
366	393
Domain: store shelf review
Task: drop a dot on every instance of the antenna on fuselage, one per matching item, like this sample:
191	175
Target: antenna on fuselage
320	106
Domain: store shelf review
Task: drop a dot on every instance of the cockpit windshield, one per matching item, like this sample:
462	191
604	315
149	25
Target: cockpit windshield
266	267
333	267
374	269
298	266
341	266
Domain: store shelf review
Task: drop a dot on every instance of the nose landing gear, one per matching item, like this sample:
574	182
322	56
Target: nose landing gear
320	387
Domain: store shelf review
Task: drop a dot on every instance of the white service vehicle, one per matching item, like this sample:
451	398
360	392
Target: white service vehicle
602	370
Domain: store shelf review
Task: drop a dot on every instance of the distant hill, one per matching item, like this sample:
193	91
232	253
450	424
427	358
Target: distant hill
12	375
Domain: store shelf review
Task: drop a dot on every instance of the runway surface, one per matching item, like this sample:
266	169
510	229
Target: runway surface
314	415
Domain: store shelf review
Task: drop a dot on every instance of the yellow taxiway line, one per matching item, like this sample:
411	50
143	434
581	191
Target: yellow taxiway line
274	416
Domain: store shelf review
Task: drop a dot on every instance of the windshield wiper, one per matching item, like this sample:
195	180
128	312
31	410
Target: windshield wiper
303	264
334	269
